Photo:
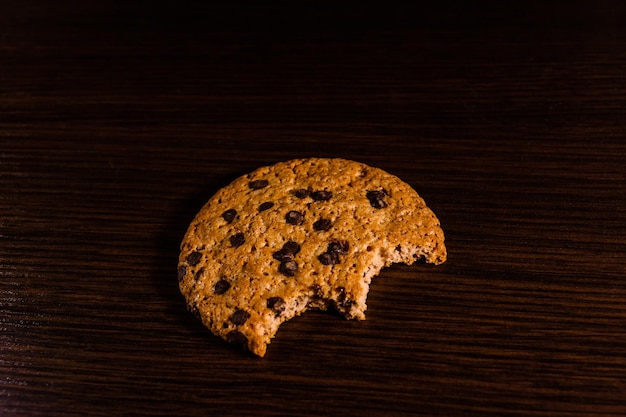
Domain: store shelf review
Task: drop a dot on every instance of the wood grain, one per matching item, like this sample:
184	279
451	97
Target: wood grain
117	122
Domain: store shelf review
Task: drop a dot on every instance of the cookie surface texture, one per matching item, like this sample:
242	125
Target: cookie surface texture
302	234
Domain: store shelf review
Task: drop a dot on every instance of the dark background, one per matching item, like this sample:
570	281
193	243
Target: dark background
119	120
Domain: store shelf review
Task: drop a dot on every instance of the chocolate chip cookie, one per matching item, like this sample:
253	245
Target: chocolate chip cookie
297	235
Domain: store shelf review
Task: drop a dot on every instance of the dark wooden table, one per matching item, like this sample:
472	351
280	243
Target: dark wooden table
118	121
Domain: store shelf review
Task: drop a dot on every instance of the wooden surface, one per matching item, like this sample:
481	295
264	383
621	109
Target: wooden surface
118	121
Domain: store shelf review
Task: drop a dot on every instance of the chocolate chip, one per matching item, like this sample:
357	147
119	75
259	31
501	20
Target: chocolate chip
193	258
341	291
288	268
379	204
258	184
322	225
294	217
182	270
237	338
376	198
239	317
302	193
229	215
338	247
342	298
317	290
237	240
277	304
198	274
328	258
221	286
335	248
287	252
266	206
292	246
322	195
283	255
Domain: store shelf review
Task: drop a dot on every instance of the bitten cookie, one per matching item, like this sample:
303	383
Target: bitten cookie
301	234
